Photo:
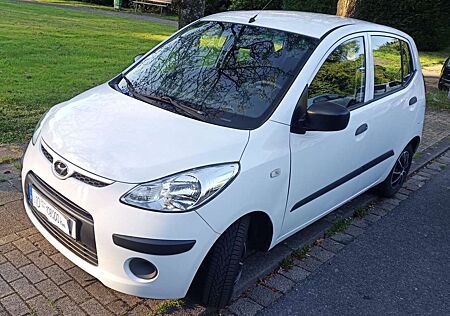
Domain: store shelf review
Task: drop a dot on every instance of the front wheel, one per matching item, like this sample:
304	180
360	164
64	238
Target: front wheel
224	266
398	174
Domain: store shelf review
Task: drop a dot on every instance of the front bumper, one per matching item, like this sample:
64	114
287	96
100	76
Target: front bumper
107	260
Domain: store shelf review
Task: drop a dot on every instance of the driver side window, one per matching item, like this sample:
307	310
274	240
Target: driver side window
341	79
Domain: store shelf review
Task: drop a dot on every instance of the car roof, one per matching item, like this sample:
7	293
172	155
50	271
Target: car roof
306	23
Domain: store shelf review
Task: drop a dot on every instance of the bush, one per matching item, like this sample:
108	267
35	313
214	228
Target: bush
214	6
426	20
321	6
255	4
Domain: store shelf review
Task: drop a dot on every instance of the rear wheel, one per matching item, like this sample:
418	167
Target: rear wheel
224	264
398	174
443	87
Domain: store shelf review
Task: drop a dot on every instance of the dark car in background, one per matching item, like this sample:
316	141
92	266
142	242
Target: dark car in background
444	80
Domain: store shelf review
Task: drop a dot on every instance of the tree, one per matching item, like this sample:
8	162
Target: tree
189	11
348	8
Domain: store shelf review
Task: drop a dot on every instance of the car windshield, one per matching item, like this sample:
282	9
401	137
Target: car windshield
230	74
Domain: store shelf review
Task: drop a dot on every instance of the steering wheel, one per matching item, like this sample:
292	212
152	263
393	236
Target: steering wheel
262	84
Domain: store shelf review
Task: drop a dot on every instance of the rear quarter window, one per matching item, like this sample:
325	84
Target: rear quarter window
407	62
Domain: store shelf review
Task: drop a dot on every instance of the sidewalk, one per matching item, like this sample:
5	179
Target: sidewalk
399	266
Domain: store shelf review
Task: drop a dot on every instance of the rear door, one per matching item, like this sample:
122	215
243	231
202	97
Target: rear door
393	99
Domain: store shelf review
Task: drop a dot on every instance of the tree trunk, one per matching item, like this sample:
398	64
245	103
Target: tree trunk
190	10
348	8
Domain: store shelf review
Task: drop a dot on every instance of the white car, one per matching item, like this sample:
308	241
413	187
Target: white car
233	134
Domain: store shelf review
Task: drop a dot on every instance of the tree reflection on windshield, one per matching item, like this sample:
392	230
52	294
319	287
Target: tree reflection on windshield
234	73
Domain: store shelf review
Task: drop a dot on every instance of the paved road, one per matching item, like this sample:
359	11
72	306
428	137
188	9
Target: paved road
399	266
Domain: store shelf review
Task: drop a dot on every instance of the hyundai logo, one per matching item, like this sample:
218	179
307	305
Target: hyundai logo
60	169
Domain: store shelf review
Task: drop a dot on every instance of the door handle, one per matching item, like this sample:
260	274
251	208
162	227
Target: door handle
361	129
412	101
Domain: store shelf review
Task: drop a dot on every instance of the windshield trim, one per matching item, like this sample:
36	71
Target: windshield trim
228	119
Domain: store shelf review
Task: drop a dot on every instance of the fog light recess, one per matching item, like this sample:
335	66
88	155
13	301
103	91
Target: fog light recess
142	269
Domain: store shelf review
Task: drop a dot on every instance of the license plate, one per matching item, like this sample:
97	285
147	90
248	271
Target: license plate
54	216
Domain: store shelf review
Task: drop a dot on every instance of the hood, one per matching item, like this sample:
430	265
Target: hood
123	139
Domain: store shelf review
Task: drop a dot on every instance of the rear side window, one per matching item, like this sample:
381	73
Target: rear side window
387	62
393	66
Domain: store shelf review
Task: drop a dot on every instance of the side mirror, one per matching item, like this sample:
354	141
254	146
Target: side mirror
323	116
138	58
326	117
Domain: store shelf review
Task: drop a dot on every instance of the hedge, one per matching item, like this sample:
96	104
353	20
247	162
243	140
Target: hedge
255	4
321	6
427	21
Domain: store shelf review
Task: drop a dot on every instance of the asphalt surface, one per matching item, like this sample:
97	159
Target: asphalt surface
400	265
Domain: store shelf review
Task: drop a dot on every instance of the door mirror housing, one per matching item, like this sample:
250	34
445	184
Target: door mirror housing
138	58
326	117
323	116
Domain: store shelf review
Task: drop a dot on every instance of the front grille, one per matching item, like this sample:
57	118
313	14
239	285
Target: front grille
88	180
76	175
84	246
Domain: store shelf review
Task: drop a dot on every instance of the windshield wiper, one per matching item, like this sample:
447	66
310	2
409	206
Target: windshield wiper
187	109
129	84
165	99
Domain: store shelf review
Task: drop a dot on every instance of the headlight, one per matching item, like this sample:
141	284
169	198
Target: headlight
37	129
183	191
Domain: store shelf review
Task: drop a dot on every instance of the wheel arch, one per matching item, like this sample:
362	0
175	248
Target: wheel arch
415	142
260	233
260	236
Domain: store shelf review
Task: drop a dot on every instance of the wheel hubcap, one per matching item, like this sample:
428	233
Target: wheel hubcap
400	169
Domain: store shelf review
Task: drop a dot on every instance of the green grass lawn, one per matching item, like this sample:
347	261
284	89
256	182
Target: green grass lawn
430	59
81	4
78	4
438	100
48	55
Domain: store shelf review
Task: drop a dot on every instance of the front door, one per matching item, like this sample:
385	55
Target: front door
327	168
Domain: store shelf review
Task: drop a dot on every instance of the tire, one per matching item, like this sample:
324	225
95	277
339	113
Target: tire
398	174
224	265
442	86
